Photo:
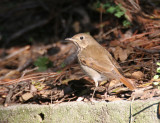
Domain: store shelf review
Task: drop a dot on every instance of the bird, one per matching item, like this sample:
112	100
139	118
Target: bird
96	61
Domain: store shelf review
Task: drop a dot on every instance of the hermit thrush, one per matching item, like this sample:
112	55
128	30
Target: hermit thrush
96	61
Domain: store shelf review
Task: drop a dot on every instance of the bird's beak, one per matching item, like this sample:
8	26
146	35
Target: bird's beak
70	39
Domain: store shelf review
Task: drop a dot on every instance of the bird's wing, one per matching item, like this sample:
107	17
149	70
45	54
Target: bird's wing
114	61
113	73
101	55
97	59
103	64
94	65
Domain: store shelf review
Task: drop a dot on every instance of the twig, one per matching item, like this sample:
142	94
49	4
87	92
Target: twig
110	31
25	65
147	51
8	98
37	76
15	53
28	71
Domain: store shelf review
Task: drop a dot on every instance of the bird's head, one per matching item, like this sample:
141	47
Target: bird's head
82	40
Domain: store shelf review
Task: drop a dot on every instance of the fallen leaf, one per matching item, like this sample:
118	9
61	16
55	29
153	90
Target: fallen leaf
120	53
33	89
113	83
45	93
137	75
128	75
116	52
123	54
26	97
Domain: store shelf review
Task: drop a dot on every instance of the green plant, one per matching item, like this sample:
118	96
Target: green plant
157	76
117	10
43	63
63	65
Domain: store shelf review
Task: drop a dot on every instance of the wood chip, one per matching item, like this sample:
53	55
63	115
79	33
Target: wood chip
26	97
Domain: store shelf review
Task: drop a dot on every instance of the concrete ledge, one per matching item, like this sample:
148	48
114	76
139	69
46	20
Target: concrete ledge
81	112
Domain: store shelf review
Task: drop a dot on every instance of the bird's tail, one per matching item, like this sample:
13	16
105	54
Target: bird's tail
123	79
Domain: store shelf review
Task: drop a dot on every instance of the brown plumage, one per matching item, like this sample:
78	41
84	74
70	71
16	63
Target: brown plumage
96	61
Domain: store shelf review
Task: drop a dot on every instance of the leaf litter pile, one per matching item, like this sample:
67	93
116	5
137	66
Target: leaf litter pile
45	74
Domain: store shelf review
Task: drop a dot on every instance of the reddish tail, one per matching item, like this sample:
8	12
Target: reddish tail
127	83
124	80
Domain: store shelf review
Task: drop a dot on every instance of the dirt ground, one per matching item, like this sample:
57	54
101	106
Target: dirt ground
38	66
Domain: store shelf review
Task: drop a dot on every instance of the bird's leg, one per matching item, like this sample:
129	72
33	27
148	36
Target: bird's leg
96	84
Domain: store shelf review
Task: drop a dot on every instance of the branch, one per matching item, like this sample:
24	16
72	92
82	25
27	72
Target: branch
148	51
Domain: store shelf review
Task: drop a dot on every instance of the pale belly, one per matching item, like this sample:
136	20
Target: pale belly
96	76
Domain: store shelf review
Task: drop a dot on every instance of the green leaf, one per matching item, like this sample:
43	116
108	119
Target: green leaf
119	14
155	83
126	23
119	6
63	65
118	9
98	4
158	63
156	77
107	5
158	70
43	63
111	9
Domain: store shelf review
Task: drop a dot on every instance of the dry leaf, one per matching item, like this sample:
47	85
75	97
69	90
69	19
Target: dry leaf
45	93
137	75
128	75
33	89
113	83
129	50
120	53
123	55
26	96
116	52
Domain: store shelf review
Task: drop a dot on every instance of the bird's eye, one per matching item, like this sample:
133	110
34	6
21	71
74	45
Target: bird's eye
81	38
